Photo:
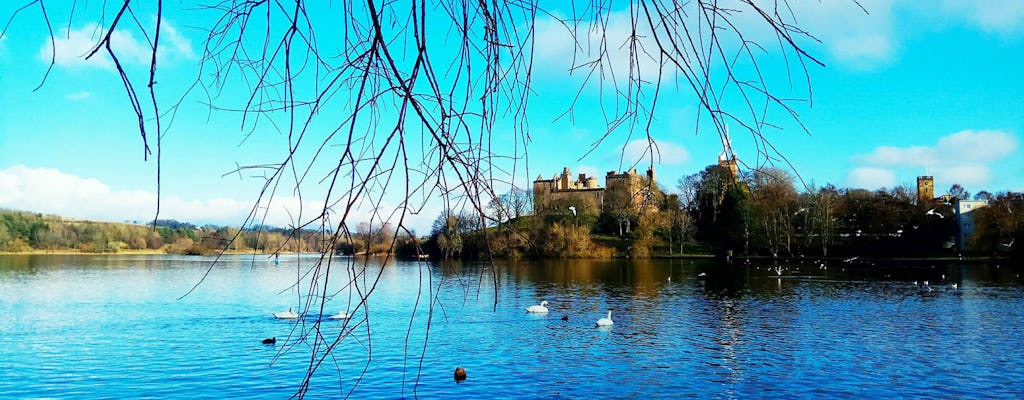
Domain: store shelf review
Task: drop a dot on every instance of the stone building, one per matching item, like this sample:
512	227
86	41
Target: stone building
925	190
630	191
625	191
727	159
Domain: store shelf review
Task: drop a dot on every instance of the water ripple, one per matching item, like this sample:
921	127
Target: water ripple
80	329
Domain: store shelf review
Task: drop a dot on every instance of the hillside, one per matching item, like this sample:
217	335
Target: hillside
23	232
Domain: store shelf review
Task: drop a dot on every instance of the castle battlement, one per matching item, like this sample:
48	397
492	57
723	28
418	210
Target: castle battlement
625	191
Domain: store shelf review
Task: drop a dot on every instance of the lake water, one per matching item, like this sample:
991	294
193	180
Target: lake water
123	327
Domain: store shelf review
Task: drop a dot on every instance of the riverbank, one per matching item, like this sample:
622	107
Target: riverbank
75	252
845	260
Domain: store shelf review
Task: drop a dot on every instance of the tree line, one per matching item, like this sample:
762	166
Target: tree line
763	214
24	232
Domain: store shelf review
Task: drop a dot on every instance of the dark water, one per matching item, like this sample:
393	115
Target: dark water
117	327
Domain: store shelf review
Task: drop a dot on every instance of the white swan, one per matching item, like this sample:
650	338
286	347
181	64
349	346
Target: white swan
286	315
341	315
606	321
542	308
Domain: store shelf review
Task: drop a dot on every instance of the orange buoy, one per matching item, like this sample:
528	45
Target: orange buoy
460	374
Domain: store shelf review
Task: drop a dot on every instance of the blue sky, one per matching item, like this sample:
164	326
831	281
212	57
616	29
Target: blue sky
907	89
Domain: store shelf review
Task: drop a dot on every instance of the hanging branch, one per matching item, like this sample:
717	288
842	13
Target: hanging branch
387	105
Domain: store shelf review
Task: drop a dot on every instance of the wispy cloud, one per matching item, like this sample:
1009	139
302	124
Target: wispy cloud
50	191
70	47
1001	16
967	146
873	36
852	36
78	95
604	50
964	157
659	152
871	178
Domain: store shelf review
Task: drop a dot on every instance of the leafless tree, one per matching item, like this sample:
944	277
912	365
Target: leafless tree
405	97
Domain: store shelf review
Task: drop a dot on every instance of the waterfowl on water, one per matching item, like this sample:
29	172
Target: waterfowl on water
542	308
341	315
607	321
286	315
272	340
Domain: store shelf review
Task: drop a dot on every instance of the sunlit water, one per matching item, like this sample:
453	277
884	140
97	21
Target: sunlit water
123	327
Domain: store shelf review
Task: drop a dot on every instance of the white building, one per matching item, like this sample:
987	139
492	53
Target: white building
965	221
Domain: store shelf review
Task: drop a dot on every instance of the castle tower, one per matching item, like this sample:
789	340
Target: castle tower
564	182
925	189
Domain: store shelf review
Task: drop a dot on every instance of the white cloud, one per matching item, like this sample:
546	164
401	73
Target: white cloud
848	34
1002	16
865	40
963	157
78	95
853	37
663	152
871	178
179	45
897	156
967	146
51	191
560	48
965	175
982	145
865	51
70	48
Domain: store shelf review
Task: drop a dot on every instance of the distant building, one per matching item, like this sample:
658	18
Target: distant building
965	221
546	192
728	159
925	190
625	191
629	191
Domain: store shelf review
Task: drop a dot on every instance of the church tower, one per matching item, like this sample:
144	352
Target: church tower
727	159
925	189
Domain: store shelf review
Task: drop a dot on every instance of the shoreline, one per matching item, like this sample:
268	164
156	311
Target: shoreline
73	252
688	256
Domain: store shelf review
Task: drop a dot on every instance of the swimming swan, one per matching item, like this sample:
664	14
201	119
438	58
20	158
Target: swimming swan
341	315
286	315
539	309
606	321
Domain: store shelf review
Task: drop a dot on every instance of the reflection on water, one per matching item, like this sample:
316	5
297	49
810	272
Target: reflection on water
117	326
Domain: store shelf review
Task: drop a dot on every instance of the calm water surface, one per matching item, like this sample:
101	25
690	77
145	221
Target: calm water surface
123	327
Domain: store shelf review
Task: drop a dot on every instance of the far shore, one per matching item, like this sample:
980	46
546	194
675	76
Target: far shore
73	252
735	259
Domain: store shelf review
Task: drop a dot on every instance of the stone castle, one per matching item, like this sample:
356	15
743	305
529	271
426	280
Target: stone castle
627	191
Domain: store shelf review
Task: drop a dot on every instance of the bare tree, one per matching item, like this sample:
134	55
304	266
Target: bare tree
403	97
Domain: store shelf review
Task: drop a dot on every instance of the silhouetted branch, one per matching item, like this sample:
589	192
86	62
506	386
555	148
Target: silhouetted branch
388	107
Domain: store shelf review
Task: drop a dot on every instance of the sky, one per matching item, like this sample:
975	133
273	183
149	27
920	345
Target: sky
908	88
